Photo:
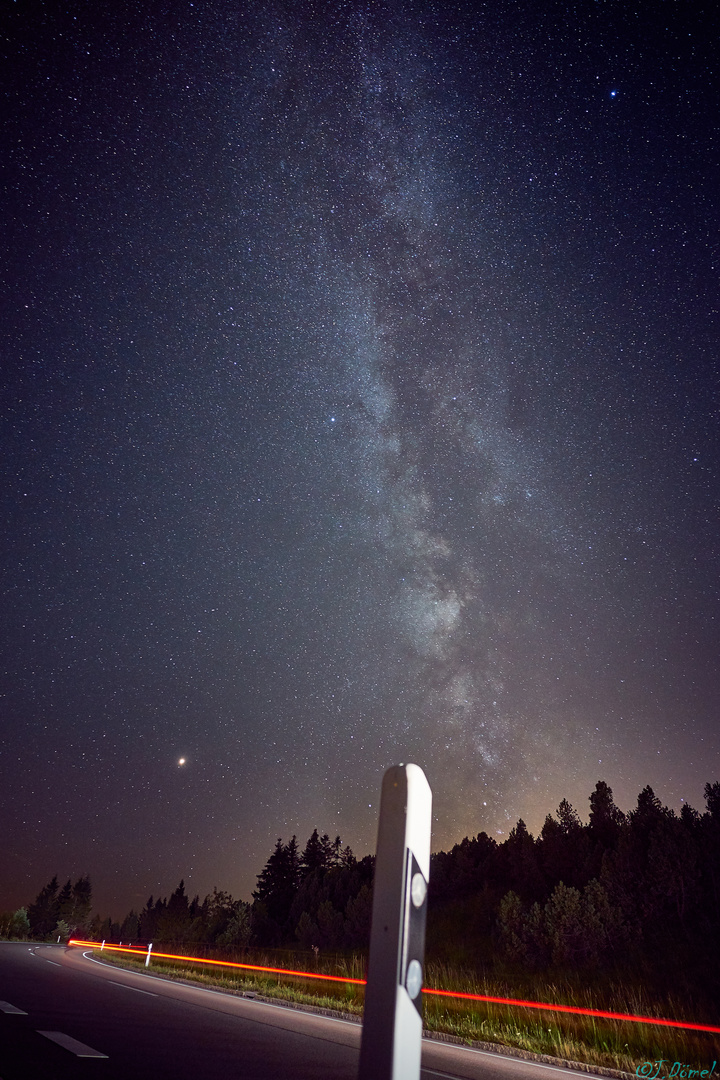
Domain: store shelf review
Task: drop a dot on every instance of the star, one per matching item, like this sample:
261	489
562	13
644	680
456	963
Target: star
442	276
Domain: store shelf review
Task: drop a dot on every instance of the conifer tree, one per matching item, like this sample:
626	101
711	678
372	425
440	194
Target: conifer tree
82	901
43	914
606	820
175	922
66	903
277	885
313	857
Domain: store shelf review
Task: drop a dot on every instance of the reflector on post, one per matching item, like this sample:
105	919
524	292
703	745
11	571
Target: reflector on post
392	1022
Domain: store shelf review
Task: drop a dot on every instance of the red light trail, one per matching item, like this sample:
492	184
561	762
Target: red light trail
221	963
576	1010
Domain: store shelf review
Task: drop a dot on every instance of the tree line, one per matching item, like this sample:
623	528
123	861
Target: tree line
627	893
320	896
55	913
635	889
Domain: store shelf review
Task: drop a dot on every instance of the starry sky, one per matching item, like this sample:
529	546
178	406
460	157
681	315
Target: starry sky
359	369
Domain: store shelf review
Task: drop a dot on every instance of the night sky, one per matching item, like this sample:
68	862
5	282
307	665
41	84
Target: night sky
359	369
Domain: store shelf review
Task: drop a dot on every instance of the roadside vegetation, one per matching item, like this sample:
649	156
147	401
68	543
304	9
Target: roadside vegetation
621	913
609	1044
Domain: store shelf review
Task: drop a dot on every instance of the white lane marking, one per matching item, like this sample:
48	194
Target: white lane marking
506	1057
6	1007
68	1043
134	988
220	993
54	964
353	1023
434	1072
284	1008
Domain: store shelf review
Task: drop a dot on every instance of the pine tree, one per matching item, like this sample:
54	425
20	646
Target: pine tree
130	927
43	914
277	886
569	818
175	921
313	857
328	849
149	919
524	873
606	820
82	901
65	903
711	845
347	858
648	814
563	847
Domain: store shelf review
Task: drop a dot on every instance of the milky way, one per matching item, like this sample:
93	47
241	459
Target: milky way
360	390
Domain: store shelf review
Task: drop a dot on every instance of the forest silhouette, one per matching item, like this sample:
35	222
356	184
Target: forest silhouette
635	893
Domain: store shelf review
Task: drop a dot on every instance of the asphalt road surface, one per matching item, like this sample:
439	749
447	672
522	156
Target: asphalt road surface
66	1015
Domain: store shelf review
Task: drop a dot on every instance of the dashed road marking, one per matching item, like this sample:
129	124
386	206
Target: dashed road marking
133	988
6	1007
68	1043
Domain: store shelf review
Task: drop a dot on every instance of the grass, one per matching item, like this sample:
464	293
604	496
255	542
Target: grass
336	998
593	1042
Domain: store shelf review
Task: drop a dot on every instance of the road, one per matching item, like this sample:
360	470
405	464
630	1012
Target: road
65	1015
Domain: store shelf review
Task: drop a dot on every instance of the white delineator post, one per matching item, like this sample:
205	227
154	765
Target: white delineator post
392	1021
147	958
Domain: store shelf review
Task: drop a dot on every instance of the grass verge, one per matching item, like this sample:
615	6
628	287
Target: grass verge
606	1044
